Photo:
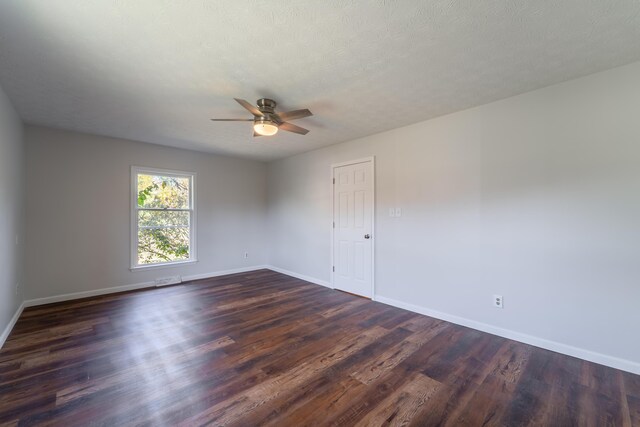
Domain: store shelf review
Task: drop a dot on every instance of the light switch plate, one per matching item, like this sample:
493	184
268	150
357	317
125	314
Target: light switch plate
392	212
398	212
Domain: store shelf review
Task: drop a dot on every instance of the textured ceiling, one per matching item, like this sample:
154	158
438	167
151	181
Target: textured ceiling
157	70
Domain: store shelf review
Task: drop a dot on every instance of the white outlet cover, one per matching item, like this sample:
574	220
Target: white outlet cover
498	301
398	212
392	212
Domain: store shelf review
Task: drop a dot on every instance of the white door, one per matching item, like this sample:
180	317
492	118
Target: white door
353	228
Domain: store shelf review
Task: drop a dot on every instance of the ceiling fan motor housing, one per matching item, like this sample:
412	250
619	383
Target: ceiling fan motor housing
266	105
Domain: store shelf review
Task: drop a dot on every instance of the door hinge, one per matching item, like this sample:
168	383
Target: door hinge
334	224
334	268
334	181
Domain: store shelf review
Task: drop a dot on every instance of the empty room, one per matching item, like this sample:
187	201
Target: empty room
319	213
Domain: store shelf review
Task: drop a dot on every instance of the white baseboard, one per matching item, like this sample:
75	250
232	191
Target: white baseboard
603	359
300	276
111	290
141	285
223	273
580	353
12	322
86	294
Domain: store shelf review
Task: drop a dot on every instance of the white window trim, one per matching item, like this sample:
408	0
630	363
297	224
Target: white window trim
135	170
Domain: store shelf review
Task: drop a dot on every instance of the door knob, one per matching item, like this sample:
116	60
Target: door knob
366	236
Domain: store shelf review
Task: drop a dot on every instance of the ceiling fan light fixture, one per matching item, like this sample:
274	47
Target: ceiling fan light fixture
265	128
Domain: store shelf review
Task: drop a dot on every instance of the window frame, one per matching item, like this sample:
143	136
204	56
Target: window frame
137	170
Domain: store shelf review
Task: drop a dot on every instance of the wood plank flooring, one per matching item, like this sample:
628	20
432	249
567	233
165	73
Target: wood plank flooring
262	348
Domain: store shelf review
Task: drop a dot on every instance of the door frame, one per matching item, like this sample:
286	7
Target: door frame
371	159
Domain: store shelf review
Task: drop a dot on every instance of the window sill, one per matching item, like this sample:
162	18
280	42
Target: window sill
163	265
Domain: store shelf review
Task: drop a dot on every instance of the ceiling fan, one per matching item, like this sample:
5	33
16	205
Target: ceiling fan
266	121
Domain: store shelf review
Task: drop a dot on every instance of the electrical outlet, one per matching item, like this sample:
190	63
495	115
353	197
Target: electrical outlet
392	212
398	212
246	254
498	302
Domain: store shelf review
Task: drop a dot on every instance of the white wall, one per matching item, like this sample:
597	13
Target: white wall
535	197
12	173
78	211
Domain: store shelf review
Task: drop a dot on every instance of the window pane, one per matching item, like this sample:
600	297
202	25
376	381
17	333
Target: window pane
162	218
163	245
157	191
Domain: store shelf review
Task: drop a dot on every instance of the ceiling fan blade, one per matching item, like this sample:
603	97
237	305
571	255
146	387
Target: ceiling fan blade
293	115
252	109
232	120
293	128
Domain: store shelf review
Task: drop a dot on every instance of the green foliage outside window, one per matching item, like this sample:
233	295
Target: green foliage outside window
163	218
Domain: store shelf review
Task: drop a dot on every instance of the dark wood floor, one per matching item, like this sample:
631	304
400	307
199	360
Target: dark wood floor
262	348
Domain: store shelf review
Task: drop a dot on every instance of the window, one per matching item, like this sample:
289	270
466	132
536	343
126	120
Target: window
162	217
